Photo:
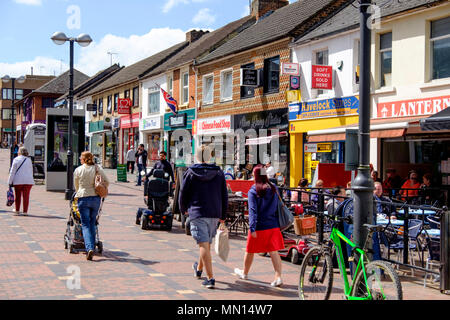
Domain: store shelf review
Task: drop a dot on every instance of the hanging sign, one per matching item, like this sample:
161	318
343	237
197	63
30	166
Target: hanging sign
322	77
294	82
249	78
293	95
292	69
124	106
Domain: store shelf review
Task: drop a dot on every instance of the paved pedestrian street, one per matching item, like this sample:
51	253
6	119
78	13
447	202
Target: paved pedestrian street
135	264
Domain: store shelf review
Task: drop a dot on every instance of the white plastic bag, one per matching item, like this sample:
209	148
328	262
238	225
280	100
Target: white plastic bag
221	245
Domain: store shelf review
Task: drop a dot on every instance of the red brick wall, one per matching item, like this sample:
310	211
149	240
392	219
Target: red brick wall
38	113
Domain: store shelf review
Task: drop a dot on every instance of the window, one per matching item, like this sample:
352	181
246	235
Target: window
226	85
127	94
116	101
248	92
19	94
208	89
100	106
7	94
386	59
153	102
440	46
48	102
185	91
109	106
7	114
271	74
170	85
357	59
94	113
136	96
321	60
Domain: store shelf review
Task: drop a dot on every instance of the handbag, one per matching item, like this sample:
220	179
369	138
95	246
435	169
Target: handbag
221	244
100	186
9	197
285	216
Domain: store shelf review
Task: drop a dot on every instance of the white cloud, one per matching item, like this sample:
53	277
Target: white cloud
95	58
29	2
173	3
204	16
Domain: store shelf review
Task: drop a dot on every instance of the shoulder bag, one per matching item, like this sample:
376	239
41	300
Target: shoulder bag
100	186
10	192
285	216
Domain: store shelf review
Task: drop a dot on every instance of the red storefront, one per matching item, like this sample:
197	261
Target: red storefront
129	127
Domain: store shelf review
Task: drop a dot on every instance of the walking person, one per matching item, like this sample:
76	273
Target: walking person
141	160
131	158
264	234
16	150
21	177
88	200
204	197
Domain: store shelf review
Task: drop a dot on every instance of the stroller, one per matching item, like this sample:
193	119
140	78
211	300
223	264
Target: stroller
73	239
156	197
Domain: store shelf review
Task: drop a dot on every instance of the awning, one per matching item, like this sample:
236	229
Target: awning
264	140
438	121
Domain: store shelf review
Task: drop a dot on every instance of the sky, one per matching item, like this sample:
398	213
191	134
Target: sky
130	30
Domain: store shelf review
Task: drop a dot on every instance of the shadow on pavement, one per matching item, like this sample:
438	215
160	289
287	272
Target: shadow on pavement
121	195
255	286
118	257
43	217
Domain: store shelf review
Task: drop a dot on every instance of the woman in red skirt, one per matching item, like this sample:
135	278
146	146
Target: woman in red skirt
264	234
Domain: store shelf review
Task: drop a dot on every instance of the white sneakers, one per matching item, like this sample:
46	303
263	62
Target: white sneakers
241	274
276	283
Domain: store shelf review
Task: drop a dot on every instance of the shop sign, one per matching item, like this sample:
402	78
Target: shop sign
91	107
292	69
96	126
336	107
318	147
178	121
249	78
277	118
322	77
124	106
310	147
151	123
293	96
411	108
214	125
107	124
294	82
116	123
173	122
130	121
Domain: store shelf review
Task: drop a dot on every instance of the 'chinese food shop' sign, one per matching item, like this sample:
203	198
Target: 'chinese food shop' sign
335	107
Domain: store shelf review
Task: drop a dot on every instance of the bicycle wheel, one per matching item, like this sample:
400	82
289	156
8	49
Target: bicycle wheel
382	281
316	275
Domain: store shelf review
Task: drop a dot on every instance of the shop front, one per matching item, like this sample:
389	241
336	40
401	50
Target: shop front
307	148
96	130
151	130
175	144
129	128
273	144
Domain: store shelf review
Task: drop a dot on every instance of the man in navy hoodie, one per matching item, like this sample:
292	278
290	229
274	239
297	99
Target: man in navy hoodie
204	197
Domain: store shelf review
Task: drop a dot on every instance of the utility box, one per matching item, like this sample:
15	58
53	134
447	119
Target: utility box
351	149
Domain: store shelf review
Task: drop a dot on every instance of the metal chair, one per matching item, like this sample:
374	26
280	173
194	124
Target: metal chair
434	257
434	222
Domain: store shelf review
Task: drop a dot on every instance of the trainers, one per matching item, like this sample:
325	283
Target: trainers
138	221
90	254
197	273
276	283
210	284
241	274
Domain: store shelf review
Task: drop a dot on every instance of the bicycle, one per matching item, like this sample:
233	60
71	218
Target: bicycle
376	280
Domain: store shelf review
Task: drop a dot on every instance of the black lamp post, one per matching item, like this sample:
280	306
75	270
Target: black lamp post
6	79
83	40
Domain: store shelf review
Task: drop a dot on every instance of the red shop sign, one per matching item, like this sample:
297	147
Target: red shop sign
124	106
322	77
410	108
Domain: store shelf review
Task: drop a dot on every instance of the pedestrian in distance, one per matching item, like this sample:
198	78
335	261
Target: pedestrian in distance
204	198
88	200
16	150
21	178
264	234
141	160
131	159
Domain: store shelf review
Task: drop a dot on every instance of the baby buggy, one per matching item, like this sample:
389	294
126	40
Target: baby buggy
156	197
73	239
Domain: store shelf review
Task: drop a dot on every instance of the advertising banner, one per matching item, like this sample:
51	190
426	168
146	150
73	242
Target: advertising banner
322	77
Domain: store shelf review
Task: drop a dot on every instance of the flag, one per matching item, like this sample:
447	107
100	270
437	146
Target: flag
171	102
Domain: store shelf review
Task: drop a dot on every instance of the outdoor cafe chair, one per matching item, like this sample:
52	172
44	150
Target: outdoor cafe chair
434	257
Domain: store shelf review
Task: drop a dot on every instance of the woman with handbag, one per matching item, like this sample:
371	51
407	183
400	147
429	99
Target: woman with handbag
21	177
86	179
264	234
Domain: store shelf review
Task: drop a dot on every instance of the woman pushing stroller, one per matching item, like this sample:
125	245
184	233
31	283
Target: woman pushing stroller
88	200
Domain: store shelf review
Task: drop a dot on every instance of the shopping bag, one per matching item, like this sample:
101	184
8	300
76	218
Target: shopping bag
9	197
285	217
221	245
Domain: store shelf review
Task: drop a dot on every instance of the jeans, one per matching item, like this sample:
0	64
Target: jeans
140	168
130	166
88	207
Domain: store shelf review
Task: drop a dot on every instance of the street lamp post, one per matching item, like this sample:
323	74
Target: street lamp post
363	185
83	40
6	79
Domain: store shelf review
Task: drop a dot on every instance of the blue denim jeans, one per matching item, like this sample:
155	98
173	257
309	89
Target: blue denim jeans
88	207
140	168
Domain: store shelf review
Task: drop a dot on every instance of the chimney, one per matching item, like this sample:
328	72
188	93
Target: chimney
194	35
261	7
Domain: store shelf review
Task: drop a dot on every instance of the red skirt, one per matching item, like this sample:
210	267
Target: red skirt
265	241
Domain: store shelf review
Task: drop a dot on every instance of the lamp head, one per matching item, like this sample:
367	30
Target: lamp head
20	79
59	38
84	40
6	79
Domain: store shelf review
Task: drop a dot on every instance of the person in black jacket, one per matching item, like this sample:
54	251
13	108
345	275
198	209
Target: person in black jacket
204	197
162	164
141	161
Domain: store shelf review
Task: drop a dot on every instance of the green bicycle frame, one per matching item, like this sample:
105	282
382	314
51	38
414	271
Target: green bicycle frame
335	236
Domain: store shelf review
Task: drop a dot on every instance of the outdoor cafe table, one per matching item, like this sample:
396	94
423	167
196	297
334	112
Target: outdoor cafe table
394	222
433	233
417	212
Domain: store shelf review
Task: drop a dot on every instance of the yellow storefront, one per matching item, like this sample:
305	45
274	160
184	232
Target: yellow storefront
316	115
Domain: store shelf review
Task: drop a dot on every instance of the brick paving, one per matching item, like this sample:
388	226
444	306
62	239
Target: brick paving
135	264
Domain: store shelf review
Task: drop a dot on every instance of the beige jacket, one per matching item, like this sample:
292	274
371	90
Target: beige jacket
84	180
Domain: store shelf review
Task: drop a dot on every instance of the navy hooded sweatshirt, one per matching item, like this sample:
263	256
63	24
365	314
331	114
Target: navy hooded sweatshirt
203	192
